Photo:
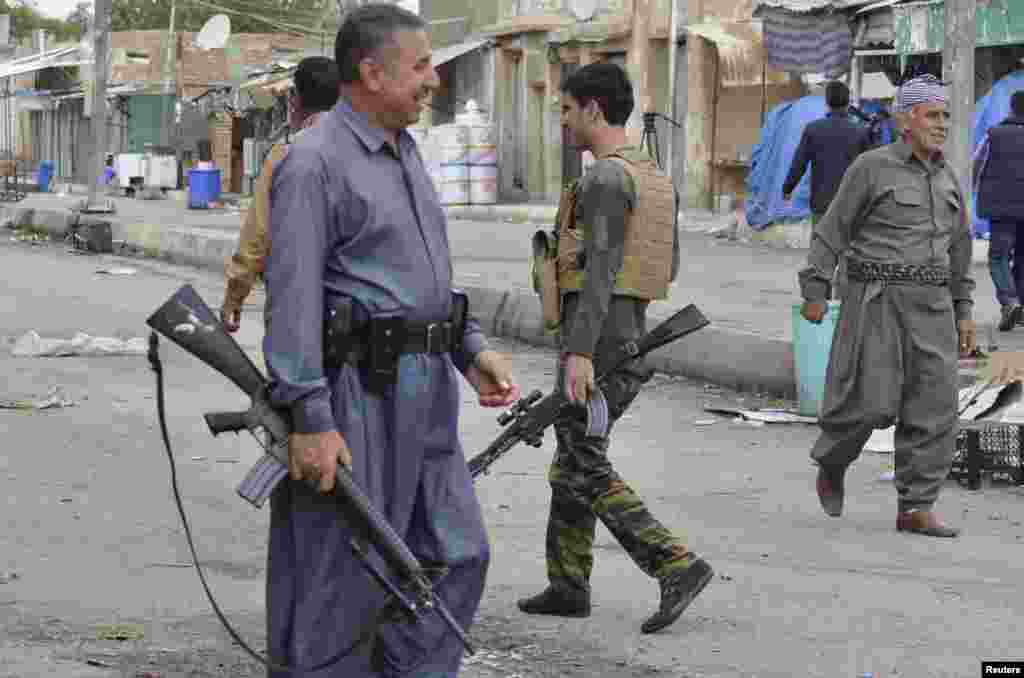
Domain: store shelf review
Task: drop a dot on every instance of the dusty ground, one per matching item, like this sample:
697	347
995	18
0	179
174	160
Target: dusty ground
90	538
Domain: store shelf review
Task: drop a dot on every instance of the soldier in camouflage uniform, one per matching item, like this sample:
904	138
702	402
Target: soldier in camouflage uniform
617	250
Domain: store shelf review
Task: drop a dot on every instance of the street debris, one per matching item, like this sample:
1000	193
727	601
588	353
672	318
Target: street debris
996	404
120	632
54	399
705	422
118	270
766	416
99	664
8	577
32	345
882	441
33	237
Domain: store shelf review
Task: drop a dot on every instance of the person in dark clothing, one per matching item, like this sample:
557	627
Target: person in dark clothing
999	183
829	145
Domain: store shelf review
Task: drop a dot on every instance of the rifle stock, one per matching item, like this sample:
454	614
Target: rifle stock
186	320
531	416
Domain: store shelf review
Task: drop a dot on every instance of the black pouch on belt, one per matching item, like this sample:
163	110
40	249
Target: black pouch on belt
339	340
386	340
460	310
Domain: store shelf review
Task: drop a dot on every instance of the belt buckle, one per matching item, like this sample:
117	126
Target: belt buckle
431	347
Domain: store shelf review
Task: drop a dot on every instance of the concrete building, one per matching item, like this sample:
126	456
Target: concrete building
518	52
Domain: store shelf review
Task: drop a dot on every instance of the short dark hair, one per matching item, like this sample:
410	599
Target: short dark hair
837	95
316	83
605	83
1017	103
365	31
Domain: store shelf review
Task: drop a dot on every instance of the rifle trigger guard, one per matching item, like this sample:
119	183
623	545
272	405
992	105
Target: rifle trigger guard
631	348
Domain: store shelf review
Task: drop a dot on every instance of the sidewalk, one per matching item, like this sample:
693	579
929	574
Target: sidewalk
746	290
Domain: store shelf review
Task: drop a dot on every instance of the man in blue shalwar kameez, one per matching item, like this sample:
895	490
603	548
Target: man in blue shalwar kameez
355	217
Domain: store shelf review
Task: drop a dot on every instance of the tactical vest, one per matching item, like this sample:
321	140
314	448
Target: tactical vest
650	233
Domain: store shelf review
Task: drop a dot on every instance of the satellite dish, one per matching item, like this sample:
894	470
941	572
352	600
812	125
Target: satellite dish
583	10
214	33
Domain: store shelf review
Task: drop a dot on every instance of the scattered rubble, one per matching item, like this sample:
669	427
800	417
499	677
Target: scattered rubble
54	399
34	346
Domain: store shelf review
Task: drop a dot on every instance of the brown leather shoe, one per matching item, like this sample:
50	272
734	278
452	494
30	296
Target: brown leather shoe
830	489
926	523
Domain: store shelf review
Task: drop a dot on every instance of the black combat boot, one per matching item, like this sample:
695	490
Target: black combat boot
677	592
558	603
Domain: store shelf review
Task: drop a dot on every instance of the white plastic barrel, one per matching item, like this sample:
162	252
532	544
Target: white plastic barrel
452	183
482	149
483	184
450	142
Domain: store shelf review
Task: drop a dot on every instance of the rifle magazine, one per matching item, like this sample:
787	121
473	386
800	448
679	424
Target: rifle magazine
597	414
259	483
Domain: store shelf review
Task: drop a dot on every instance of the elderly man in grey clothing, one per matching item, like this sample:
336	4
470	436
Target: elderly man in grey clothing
356	224
900	216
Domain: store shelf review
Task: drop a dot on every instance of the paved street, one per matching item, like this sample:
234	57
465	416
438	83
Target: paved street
741	287
91	539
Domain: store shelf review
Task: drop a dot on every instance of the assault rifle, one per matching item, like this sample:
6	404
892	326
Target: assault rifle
187	321
527	420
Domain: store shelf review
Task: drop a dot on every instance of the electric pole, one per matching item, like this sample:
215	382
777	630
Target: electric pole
958	72
170	77
101	36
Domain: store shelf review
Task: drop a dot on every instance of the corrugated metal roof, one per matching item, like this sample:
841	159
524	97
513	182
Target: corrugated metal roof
67	56
445	54
741	51
803	6
877	29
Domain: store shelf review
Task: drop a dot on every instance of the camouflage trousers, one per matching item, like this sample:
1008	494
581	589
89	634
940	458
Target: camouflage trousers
585	487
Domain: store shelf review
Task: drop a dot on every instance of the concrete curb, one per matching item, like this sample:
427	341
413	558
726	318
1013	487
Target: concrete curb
519	214
744	361
199	247
784	236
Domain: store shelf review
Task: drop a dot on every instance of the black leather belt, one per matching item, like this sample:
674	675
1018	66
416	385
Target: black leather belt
430	338
436	337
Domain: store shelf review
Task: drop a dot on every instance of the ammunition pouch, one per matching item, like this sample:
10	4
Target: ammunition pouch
376	345
544	273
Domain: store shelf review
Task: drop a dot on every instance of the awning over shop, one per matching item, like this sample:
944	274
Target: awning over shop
919	27
740	51
67	56
807	42
811	5
443	55
270	83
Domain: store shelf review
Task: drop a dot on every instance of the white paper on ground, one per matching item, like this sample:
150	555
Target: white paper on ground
32	345
764	416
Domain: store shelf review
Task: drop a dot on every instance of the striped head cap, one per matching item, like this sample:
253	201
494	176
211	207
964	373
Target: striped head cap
924	89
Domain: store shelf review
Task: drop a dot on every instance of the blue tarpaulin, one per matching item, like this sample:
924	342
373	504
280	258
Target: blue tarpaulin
773	155
991	110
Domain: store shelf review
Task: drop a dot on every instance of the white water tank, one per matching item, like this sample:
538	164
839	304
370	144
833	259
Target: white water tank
481	155
448	146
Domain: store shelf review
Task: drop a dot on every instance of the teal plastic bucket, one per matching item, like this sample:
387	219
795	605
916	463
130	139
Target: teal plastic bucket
811	347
